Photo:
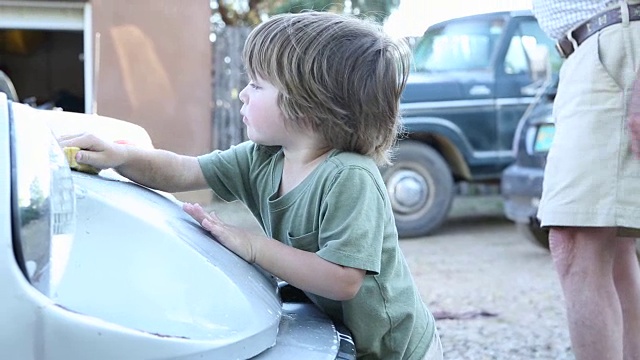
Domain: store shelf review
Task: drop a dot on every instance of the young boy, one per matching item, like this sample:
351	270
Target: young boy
321	112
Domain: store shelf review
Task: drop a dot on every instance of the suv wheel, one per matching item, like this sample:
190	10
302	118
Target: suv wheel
420	187
534	233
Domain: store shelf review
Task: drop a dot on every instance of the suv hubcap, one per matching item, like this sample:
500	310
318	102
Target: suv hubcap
408	191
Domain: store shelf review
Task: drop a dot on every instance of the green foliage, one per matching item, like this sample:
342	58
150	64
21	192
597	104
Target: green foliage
376	9
236	12
251	12
295	6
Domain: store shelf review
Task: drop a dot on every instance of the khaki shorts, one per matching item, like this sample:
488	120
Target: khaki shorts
591	177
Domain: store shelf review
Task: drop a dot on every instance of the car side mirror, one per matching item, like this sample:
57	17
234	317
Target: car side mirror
540	70
540	63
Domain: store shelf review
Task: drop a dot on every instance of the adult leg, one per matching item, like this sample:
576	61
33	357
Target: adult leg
584	259
626	276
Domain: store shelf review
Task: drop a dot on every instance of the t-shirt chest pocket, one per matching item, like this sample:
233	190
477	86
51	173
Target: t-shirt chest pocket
306	242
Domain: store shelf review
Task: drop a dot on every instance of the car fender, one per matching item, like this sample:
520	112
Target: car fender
448	139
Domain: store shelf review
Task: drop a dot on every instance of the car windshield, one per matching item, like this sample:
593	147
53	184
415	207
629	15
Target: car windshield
458	46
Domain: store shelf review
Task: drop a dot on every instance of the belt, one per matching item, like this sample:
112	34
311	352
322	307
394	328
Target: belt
568	44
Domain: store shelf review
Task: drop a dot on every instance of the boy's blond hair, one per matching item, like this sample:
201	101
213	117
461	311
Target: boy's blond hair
336	74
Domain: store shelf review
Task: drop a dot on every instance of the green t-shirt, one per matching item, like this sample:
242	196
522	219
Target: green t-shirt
342	213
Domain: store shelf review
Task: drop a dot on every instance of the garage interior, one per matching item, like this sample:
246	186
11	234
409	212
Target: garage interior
45	66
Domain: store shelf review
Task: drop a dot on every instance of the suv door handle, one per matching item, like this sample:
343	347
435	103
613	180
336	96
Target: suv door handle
479	90
532	89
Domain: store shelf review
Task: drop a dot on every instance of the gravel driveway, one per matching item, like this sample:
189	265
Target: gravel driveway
495	295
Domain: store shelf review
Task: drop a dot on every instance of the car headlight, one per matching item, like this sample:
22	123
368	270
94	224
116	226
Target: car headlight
43	195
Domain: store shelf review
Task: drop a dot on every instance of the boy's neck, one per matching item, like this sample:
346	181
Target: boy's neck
304	156
298	165
304	148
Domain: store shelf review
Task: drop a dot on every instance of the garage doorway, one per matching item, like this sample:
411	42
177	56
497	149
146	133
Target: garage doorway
43	51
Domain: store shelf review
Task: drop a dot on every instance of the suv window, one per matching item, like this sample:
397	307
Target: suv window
458	46
525	39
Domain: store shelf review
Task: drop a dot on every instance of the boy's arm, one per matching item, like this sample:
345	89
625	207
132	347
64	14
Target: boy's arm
306	270
162	170
158	169
302	269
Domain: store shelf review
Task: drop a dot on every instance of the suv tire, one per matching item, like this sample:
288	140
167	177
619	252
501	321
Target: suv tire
420	188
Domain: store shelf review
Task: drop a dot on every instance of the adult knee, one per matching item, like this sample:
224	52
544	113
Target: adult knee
583	250
562	244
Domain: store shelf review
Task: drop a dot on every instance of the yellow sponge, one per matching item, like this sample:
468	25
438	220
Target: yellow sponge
70	153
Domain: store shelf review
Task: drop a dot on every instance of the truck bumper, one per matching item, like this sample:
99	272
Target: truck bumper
521	188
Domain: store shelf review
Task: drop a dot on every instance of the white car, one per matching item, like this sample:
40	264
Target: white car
97	267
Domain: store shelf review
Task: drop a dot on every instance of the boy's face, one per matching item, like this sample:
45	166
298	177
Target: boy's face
261	114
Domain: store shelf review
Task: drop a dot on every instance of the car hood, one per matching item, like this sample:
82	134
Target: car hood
140	262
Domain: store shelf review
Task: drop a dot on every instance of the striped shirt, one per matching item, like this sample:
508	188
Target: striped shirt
557	17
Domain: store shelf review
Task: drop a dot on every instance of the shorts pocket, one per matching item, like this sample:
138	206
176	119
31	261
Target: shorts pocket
612	58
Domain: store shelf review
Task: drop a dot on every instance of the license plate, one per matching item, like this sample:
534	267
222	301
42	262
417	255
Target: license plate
544	137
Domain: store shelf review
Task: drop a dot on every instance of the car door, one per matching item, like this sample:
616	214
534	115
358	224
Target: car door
454	64
516	87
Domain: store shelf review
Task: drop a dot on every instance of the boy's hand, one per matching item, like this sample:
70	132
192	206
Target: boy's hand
233	238
95	151
70	153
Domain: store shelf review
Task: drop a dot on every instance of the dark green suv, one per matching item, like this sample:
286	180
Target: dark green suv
472	80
